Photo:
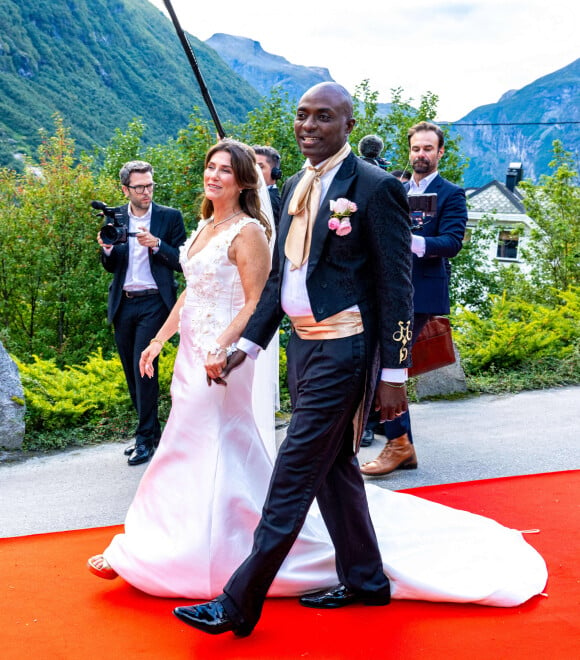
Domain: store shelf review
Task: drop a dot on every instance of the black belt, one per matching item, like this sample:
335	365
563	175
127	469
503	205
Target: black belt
142	292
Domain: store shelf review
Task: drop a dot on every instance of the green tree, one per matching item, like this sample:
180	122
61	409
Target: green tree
179	166
392	128
473	277
366	114
402	115
272	124
553	248
52	287
122	147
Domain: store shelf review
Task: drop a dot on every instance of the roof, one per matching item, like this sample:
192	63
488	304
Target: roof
495	197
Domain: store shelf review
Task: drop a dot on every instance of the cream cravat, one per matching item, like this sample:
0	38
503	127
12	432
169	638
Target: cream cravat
304	207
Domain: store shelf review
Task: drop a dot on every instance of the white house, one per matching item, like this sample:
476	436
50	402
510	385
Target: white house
502	203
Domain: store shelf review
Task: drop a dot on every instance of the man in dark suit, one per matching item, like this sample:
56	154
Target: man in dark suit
142	292
436	239
345	282
268	160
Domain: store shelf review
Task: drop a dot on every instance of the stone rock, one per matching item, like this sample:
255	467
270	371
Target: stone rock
447	380
12	406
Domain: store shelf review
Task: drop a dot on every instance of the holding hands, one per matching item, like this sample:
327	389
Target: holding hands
220	362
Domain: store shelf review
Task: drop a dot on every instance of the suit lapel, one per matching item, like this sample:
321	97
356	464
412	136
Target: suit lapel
434	185
155	219
338	188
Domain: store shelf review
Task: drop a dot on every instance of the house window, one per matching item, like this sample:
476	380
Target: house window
507	245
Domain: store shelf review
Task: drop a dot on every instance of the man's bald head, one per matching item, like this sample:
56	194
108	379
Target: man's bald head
324	120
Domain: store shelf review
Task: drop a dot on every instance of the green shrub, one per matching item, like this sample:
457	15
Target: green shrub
82	403
283	380
517	332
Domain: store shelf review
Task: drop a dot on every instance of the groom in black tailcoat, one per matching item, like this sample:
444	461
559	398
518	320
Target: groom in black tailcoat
346	286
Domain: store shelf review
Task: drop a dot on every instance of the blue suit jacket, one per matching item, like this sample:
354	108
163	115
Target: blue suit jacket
166	224
443	239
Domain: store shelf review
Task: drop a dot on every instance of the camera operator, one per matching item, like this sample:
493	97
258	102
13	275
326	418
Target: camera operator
370	149
436	238
143	290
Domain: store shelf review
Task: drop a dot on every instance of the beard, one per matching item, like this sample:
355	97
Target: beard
422	166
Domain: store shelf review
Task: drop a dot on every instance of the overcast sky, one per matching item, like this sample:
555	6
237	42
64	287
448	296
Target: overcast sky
467	52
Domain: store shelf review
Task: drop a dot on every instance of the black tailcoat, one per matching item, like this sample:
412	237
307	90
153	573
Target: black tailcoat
371	268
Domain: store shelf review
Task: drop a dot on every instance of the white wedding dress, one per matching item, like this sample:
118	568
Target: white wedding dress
191	522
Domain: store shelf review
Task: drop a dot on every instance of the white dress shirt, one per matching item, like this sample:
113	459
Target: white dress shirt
138	276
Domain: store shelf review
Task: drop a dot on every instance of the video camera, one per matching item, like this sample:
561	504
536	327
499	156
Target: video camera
422	207
112	233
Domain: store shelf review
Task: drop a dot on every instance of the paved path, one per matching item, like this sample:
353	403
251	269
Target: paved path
468	439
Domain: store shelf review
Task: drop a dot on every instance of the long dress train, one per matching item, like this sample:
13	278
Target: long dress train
191	522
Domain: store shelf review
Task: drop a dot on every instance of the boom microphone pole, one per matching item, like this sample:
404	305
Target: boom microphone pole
196	70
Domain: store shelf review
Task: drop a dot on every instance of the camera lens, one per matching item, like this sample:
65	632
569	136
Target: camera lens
109	234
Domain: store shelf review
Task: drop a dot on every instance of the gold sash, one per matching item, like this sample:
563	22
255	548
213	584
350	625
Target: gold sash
343	324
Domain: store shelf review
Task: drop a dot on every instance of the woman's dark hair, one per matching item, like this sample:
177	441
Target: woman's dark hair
246	175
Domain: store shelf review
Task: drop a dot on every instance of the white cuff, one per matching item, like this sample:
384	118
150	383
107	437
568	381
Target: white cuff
418	245
250	349
394	375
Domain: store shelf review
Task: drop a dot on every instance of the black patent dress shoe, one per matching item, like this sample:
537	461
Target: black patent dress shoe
340	596
129	450
367	438
210	618
141	454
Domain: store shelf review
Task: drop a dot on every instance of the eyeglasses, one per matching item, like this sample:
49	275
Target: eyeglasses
141	189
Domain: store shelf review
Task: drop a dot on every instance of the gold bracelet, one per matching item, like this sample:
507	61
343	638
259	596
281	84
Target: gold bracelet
396	386
156	340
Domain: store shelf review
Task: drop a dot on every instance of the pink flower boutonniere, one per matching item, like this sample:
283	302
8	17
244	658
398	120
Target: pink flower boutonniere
339	221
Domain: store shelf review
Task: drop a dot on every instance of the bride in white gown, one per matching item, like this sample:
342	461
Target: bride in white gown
191	522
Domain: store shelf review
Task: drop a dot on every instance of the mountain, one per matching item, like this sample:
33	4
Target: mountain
100	64
521	127
263	70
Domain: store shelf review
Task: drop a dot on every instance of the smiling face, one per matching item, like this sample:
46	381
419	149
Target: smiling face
219	182
323	122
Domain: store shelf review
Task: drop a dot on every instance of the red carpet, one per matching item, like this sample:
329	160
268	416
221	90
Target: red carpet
51	607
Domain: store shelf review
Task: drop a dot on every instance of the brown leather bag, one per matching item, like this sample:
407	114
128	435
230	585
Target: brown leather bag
433	348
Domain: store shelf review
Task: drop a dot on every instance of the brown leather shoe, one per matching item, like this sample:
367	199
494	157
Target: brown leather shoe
397	454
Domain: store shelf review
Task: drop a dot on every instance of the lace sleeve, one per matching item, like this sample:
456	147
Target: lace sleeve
234	230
